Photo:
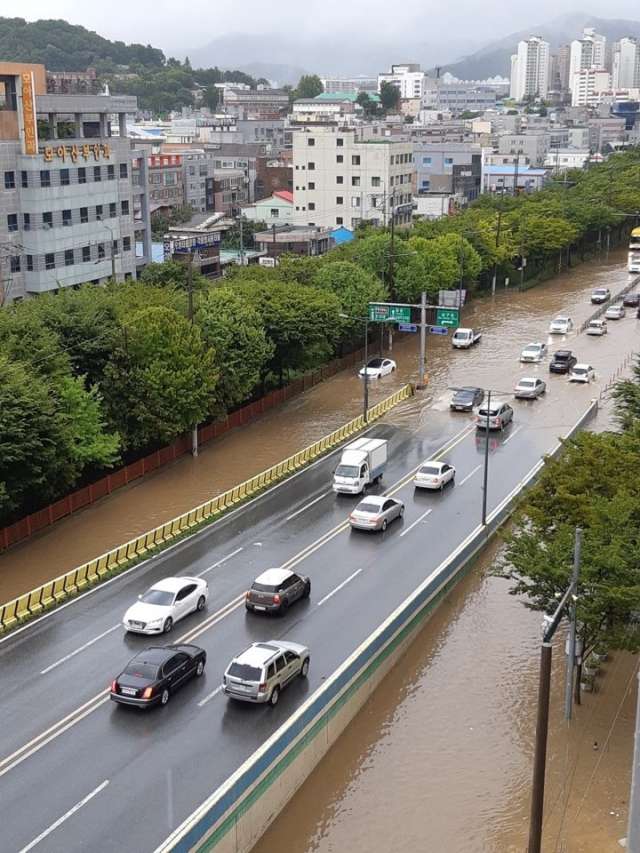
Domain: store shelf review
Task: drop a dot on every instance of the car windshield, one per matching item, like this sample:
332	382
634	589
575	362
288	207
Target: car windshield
596	324
526	383
599	292
141	670
245	671
375	362
532	348
429	469
562	356
348	470
368	507
560	320
158	596
263	587
465	394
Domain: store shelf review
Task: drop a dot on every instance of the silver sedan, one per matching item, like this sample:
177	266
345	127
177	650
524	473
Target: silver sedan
375	512
529	388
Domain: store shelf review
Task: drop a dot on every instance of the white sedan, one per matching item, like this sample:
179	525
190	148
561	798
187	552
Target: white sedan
561	326
615	312
434	475
529	388
378	367
533	352
164	604
582	373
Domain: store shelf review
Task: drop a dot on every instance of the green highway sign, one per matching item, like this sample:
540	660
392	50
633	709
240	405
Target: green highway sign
390	313
447	317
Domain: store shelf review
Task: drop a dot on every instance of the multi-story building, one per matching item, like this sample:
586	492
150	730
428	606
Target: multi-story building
305	240
448	169
588	85
198	180
338	85
586	52
229	191
341	179
458	97
260	103
332	108
530	69
274	174
626	65
563	55
408	77
533	146
67	205
274	210
166	189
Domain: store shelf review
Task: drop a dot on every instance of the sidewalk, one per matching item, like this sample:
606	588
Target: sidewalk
221	465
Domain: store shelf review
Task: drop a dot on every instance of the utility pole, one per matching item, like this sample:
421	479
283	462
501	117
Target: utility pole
572	626
633	832
499	226
393	236
365	404
420	385
113	259
241	242
522	251
190	284
485	475
461	271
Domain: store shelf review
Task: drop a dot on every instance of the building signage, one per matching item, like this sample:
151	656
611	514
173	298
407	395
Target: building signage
29	121
98	150
190	244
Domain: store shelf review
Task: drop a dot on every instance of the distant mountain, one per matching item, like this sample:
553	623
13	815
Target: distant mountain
495	58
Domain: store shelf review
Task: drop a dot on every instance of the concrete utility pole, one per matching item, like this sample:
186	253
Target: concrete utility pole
633	833
522	251
423	342
194	430
241	243
113	259
393	237
572	626
498	228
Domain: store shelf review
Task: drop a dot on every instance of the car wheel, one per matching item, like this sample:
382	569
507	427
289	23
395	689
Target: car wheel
379	376
393	370
200	668
283	608
168	625
384	524
442	485
304	669
401	513
164	698
201	602
307	590
275	695
364	489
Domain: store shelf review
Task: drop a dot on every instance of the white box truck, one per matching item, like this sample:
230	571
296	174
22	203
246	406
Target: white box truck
364	461
465	338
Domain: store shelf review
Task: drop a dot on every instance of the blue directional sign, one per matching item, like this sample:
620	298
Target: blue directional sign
407	327
438	330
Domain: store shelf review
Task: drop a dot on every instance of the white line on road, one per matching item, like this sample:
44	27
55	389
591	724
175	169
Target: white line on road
79	649
210	696
515	432
64	817
338	588
306	506
417	521
477	468
220	562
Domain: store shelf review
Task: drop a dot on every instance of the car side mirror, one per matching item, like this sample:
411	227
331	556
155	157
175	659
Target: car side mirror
139	597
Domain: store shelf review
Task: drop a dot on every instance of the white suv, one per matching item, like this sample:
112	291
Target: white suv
259	673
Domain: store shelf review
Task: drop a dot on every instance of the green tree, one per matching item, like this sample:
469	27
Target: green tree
355	288
369	106
231	327
160	380
173	275
81	419
250	227
389	95
309	86
626	394
434	267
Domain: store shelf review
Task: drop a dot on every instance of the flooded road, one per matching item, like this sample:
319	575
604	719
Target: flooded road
509	320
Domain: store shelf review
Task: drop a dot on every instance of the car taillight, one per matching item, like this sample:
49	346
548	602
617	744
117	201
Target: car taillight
248	593
352	518
374	520
435	480
262	688
114	685
276	599
147	693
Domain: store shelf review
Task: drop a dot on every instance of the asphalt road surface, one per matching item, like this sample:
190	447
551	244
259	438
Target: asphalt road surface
78	773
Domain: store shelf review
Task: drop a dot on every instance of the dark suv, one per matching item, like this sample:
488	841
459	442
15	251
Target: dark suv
562	361
631	300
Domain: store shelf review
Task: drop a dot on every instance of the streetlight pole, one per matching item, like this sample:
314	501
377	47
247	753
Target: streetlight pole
485	475
365	401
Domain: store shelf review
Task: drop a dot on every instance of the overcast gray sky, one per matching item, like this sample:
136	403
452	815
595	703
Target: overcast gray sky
168	24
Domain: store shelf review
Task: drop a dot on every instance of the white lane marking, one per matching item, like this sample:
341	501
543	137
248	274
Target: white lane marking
64	817
338	588
80	649
306	506
477	468
190	636
220	562
210	696
515	432
417	521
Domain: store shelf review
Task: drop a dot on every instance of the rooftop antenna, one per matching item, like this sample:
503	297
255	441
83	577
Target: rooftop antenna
438	67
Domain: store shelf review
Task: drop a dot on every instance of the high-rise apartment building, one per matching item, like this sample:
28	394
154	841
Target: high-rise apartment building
530	69
626	64
68	192
587	52
408	78
340	179
588	85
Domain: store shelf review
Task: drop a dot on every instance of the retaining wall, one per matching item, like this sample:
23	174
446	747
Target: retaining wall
239	811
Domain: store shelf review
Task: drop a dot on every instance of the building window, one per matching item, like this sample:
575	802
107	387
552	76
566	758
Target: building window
12	222
312	185
340	142
392	159
126	244
15	263
26	221
82	175
65	178
99	212
355	201
66	217
312	205
339	179
124	172
115	247
50	261
29	263
448	161
101	252
339	158
125	208
274	213
339	199
426	161
339	220
68	257
355	159
311	142
97	174
311	166
47	221
112	210
355	181
84	214
24	179
45	178
9	180
86	254
111	173
375	182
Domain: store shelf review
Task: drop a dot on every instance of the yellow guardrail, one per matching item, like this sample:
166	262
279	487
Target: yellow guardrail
53	592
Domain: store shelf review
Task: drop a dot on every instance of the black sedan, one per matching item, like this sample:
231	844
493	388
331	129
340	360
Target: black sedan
157	672
631	300
466	398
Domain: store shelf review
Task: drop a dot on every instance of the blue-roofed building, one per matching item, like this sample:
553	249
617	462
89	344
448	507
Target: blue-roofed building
341	235
497	179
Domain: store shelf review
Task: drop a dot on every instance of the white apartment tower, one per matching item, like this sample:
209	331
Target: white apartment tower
626	64
530	69
587	52
340	180
408	77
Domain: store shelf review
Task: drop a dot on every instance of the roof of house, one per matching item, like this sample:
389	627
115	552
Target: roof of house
343	96
285	194
342	235
511	170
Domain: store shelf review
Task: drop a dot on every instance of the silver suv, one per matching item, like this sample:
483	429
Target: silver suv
259	673
274	590
497	416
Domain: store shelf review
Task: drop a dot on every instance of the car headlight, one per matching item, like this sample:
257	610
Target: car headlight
154	622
